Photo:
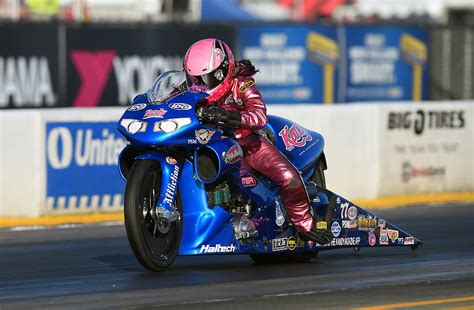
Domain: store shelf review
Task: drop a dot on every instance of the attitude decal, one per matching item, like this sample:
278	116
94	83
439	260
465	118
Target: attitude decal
204	135
295	136
233	155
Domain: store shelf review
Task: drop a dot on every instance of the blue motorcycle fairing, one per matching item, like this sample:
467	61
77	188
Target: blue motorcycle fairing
302	147
202	226
170	173
226	154
179	109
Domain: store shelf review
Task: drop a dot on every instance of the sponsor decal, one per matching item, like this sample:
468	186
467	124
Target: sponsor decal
384	232
180	106
372	223
292	243
409	171
383	240
381	223
171	189
338	200
348	241
280	244
249	181
217	248
352	213
246	86
422	120
400	241
344	207
26	82
335	229
192	141
170	160
363	223
154	113
409	241
279	217
349	224
372	239
233	155
204	135
393	235
295	136
137	107
322	225
366	223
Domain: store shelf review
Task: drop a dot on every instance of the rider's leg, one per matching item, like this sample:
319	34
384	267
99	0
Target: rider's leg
265	158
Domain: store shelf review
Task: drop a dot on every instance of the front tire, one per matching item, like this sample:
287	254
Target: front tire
155	251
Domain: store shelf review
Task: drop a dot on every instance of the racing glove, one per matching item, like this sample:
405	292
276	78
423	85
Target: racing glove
218	116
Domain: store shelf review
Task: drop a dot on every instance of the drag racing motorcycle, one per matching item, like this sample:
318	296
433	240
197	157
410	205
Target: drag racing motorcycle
189	193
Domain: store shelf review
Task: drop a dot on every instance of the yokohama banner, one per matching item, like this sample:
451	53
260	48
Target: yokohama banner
110	66
29	66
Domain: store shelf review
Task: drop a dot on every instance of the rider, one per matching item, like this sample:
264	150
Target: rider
235	102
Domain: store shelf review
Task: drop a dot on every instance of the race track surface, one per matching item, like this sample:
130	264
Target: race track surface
93	267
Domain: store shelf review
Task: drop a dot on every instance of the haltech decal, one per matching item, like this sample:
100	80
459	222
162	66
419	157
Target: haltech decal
246	86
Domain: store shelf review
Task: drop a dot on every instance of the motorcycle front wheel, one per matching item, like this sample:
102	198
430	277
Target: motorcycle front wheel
154	243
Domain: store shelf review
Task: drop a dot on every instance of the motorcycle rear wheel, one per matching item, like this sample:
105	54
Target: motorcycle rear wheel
155	251
263	259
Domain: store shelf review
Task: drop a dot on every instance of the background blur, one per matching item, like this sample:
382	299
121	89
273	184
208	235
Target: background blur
309	51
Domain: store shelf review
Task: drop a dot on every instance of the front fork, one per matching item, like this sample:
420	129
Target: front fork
166	211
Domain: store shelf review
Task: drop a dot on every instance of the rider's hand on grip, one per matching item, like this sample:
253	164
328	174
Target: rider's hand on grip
218	116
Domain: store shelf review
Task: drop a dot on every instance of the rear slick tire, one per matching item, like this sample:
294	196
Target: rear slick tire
154	250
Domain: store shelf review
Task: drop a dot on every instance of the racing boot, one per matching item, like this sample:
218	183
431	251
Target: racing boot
319	234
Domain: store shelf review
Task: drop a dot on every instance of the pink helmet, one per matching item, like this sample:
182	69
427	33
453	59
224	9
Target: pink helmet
209	66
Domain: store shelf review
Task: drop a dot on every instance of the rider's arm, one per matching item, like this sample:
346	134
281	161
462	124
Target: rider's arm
254	117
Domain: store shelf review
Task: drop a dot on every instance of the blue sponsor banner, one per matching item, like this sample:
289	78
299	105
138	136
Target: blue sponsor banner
298	63
81	166
386	63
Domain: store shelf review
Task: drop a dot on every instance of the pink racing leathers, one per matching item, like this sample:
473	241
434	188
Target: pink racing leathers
261	155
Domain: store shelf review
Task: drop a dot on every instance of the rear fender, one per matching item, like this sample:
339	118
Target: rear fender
170	172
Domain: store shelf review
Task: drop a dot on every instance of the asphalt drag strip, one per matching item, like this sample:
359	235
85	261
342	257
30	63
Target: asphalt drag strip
93	267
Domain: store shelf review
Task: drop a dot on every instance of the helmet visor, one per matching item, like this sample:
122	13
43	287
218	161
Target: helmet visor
210	80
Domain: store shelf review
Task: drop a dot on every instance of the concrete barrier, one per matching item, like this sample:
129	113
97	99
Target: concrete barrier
63	161
377	150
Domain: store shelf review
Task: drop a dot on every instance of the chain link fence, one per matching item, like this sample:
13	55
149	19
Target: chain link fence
451	63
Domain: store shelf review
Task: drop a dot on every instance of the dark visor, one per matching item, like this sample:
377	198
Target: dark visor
211	79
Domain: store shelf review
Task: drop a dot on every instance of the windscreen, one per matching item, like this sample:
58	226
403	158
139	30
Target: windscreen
164	85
